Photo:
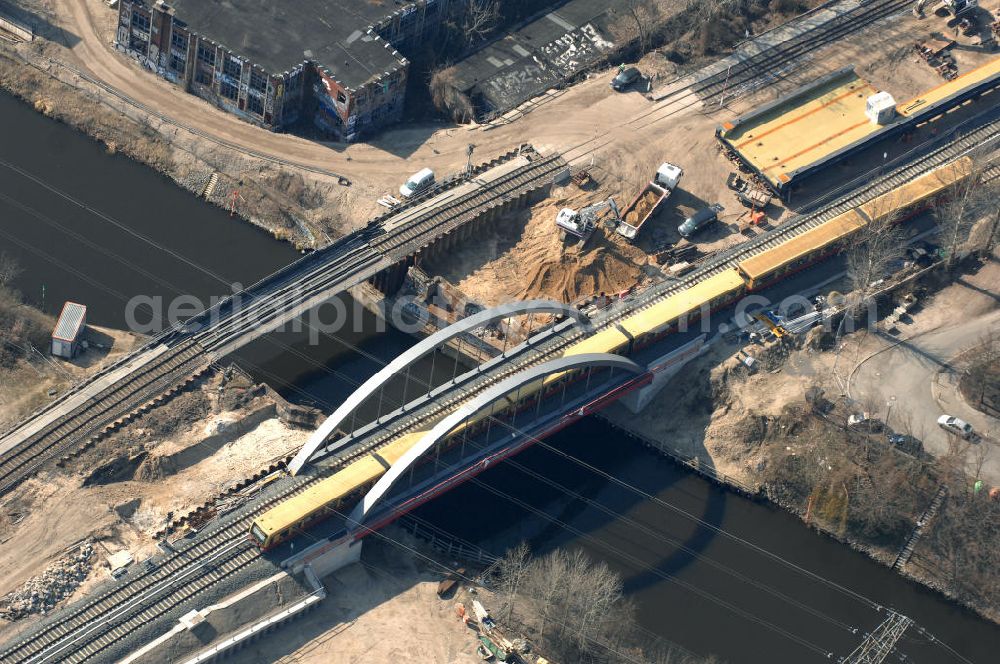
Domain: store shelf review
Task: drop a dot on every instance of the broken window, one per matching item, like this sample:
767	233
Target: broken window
206	54
258	81
179	41
341	98
229	91
140	22
255	105
178	64
232	67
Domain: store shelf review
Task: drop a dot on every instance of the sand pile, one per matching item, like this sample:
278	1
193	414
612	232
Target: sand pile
531	260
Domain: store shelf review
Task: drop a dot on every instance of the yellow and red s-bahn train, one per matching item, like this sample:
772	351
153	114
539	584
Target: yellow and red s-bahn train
333	493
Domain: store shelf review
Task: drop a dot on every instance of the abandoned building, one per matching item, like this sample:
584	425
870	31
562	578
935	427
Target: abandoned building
274	63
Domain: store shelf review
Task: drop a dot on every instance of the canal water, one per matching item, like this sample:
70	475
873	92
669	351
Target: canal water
105	229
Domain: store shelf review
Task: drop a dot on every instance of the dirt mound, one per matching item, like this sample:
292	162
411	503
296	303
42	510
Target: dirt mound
118	469
155	468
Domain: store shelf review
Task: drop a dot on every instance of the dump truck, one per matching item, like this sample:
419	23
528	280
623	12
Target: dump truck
649	200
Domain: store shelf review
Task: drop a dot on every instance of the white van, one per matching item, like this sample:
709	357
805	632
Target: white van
417	183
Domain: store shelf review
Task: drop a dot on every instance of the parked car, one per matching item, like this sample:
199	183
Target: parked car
699	220
906	443
625	78
960	428
419	181
864	423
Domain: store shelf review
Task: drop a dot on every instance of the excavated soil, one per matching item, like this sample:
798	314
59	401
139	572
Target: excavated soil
642	207
526	258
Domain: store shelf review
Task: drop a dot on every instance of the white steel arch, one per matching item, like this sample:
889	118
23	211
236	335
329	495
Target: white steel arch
421	349
470	408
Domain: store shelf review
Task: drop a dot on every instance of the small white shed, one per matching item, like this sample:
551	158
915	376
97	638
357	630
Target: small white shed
69	330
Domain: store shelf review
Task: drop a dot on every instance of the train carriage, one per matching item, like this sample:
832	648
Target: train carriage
687	305
317	502
640	329
918	194
831	236
802	250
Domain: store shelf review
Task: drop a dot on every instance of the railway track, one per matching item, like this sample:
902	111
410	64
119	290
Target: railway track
983	136
80	633
411	239
269	300
95	415
765	66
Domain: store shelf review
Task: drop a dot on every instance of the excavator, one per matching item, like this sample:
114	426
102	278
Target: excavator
582	223
947	8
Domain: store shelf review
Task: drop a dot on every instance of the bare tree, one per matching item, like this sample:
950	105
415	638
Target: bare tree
570	605
480	19
991	196
510	575
9	268
968	202
873	250
448	98
644	15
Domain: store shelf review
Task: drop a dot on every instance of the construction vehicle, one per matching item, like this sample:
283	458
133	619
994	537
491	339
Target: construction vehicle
771	322
954	8
583	223
649	200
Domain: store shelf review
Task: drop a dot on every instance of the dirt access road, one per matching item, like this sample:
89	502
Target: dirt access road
384	162
915	372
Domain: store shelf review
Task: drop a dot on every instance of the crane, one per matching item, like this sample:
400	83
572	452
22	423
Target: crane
582	223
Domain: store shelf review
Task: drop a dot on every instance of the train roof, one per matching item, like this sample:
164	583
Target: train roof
918	189
801	245
358	473
690	299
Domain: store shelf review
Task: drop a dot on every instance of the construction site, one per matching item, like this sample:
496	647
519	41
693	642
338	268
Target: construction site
613	207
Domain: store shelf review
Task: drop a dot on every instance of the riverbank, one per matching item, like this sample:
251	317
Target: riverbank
278	200
769	436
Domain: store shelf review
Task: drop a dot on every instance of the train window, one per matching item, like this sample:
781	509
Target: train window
258	534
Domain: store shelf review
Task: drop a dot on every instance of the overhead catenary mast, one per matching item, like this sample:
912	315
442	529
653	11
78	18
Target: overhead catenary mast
882	642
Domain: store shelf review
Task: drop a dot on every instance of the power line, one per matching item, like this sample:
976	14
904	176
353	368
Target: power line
424	384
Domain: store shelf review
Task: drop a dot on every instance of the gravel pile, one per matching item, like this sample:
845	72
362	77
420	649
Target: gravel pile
41	593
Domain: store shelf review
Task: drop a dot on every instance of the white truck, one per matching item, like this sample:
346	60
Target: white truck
649	199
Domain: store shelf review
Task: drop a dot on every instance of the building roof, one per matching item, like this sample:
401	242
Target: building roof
280	34
541	55
825	120
811	124
70	322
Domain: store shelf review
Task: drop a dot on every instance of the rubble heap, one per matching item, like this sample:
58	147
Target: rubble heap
41	593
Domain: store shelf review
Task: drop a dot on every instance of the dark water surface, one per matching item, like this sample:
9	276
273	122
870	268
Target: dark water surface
722	596
132	233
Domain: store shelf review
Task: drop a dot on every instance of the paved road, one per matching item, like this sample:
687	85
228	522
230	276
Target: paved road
917	378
